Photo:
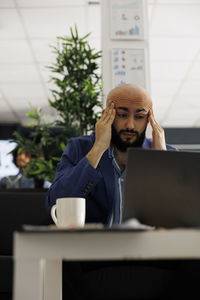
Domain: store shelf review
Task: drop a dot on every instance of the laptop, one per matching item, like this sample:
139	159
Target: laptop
162	188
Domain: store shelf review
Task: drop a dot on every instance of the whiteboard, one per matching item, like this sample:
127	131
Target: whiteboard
127	21
128	66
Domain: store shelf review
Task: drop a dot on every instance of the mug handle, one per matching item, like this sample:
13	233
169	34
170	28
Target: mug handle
53	214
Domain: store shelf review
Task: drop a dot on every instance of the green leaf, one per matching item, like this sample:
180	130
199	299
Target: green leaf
31	124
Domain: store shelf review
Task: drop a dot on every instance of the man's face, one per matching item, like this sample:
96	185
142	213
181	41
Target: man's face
129	126
22	159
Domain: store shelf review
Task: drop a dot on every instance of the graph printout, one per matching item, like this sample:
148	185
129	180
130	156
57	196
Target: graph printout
127	20
128	66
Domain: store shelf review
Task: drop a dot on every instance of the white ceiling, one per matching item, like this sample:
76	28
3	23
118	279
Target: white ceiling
28	27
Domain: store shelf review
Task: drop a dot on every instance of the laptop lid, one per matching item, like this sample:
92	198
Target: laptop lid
162	188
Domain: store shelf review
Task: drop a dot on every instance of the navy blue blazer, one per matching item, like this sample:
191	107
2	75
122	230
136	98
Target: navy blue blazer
75	177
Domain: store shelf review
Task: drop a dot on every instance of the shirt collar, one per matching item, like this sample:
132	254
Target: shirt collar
146	144
111	151
114	161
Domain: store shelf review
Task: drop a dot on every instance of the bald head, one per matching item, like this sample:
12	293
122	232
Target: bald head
130	93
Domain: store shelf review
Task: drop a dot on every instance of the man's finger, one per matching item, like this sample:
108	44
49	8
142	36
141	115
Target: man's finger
153	122
112	116
109	114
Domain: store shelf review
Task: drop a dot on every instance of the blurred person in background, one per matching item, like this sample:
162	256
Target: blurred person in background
20	158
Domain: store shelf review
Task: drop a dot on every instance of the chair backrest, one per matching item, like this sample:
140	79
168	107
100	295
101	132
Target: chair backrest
18	207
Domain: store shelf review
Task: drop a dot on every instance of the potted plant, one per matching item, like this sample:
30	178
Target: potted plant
38	145
78	84
76	99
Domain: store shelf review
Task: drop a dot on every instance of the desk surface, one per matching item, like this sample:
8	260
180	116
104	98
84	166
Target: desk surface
38	255
107	244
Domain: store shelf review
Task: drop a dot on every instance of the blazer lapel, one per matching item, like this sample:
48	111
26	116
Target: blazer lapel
106	169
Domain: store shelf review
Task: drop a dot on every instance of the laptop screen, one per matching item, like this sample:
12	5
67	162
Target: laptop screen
162	188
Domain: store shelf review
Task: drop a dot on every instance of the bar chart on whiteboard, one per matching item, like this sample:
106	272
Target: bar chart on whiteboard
128	66
127	20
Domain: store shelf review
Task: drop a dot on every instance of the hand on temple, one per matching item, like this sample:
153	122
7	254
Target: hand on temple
158	134
103	133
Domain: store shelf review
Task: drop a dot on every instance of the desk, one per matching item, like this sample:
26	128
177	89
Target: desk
38	255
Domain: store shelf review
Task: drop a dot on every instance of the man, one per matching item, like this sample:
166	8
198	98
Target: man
92	166
20	158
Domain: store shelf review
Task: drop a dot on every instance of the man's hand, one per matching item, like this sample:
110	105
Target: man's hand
158	134
102	135
103	128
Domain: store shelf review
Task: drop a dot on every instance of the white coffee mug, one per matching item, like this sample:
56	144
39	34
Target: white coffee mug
69	212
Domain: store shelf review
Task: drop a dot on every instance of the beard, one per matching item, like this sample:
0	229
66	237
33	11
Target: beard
123	145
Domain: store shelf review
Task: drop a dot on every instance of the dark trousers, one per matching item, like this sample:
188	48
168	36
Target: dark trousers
131	280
